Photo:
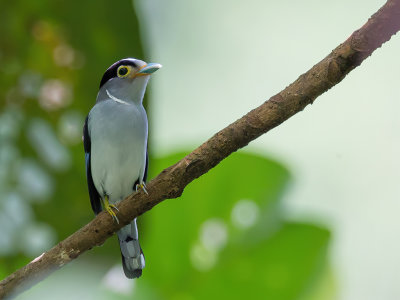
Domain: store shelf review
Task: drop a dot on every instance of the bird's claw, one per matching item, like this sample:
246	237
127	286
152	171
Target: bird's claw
141	186
109	208
112	213
113	206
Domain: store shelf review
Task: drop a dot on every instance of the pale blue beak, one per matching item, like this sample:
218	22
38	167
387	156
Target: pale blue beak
149	68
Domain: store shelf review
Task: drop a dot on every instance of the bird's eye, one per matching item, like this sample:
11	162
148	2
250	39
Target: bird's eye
123	71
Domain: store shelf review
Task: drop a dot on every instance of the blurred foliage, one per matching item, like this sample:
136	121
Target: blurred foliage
226	237
52	56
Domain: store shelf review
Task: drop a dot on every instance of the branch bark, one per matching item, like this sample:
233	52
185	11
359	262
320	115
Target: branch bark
171	182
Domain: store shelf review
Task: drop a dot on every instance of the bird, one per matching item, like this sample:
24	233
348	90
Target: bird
115	135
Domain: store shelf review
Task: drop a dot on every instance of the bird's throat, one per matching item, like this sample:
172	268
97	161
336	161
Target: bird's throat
116	99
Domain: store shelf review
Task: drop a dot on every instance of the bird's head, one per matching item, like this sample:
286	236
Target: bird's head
126	80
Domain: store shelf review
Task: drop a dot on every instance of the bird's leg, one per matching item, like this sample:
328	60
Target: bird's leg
141	186
108	207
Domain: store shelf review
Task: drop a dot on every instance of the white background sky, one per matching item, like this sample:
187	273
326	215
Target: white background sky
223	58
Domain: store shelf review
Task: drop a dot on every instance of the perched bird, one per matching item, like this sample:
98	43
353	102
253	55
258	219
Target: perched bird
115	142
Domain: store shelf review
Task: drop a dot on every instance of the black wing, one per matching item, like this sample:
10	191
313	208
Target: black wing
146	167
145	171
94	195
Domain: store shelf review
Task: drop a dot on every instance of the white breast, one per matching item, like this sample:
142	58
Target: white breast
118	134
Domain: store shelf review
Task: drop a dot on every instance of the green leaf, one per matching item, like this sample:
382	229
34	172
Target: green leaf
202	246
172	242
282	267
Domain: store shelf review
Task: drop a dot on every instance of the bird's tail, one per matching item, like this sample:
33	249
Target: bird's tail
132	254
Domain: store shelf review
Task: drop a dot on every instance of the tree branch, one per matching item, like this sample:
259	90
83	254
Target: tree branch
171	182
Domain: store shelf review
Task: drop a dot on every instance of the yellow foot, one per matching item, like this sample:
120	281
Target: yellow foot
108	207
142	186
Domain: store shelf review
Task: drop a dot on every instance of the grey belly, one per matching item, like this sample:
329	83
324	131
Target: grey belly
118	150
